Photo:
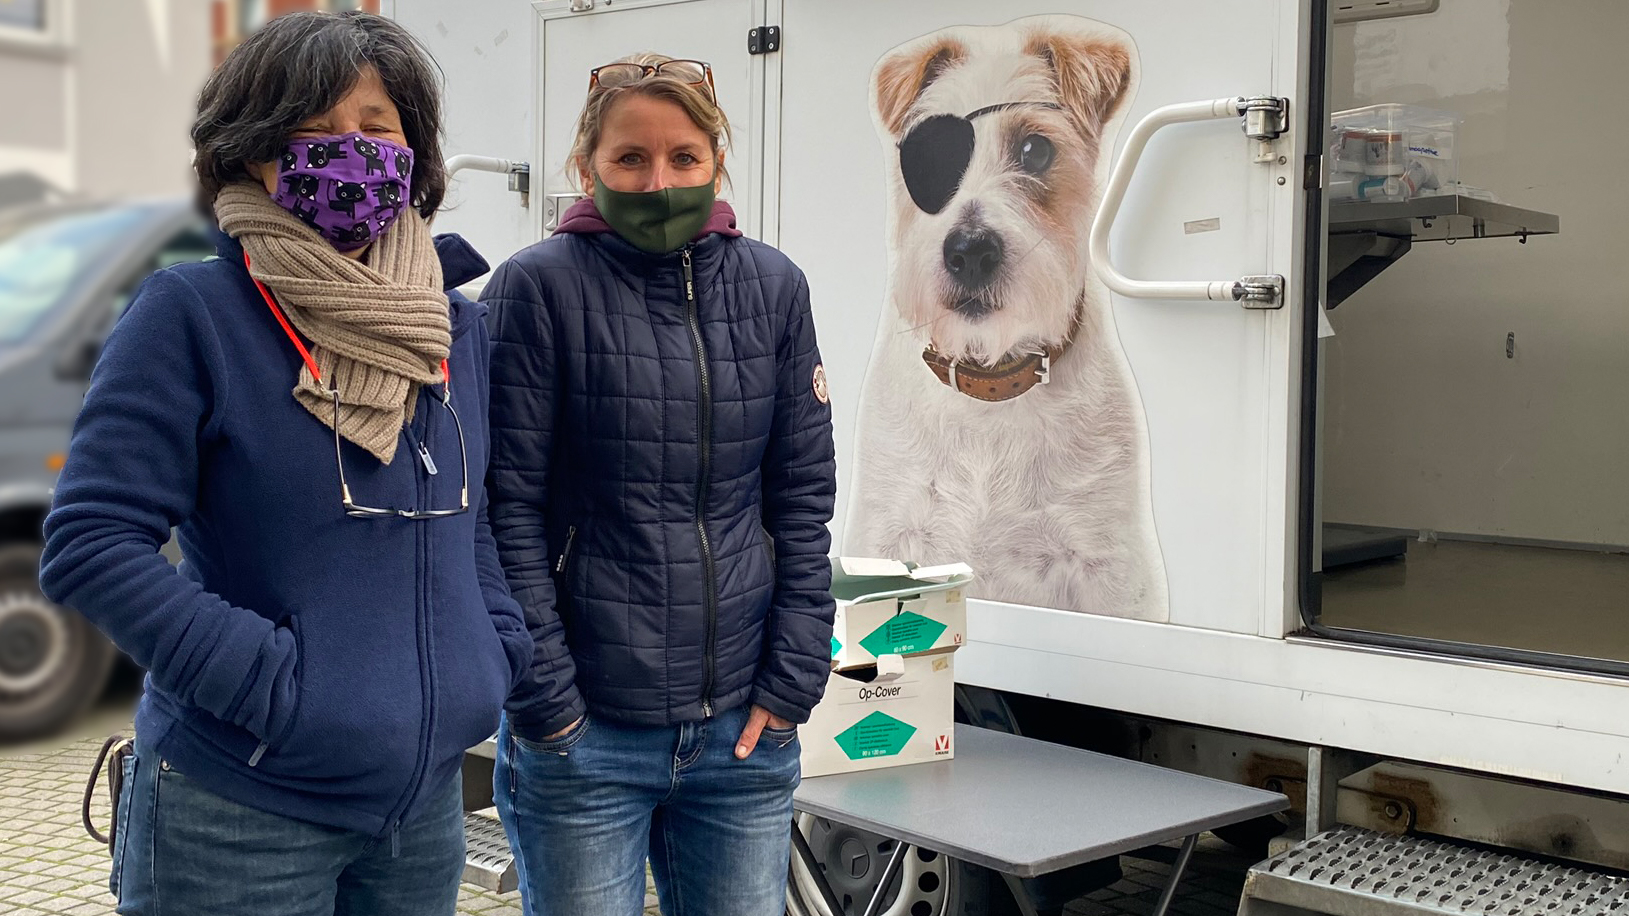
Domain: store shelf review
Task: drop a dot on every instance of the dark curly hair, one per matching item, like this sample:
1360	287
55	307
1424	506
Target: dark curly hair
298	66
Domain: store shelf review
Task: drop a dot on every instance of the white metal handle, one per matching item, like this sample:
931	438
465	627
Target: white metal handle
1114	195
482	164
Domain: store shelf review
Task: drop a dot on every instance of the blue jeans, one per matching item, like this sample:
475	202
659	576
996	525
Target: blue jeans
584	812
183	851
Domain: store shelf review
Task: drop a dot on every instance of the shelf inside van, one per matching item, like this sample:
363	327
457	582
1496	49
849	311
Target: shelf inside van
1366	237
1447	216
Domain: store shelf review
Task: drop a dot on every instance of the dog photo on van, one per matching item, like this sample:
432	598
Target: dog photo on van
1000	424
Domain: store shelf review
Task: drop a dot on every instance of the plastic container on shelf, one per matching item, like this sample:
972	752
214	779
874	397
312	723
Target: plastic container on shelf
1393	152
1357	186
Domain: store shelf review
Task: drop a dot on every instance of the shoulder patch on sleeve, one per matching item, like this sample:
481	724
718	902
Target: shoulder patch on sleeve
820	384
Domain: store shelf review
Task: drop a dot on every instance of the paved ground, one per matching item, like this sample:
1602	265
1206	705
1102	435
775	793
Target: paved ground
49	866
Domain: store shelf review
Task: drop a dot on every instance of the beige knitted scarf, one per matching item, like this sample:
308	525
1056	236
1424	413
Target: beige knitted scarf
377	330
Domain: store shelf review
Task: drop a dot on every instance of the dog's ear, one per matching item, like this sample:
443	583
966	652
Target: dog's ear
1092	74
901	77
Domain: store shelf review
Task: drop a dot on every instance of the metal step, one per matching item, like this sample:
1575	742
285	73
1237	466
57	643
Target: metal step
488	863
1352	872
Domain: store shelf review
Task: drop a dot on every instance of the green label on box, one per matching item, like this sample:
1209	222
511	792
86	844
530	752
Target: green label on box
835	647
907	632
876	735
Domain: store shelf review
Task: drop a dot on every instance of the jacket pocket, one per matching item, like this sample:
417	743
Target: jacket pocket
562	566
769	549
358	710
273	741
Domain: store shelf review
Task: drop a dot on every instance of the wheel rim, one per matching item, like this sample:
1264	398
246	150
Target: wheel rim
854	861
35	642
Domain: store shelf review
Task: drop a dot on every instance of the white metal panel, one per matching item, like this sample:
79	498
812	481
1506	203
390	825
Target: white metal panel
487	50
1213	378
715	31
1566	729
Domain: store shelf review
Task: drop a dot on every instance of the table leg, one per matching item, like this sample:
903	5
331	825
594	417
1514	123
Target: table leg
1177	869
1019	895
895	860
800	848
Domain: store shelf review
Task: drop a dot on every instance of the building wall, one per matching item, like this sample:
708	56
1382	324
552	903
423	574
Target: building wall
102	106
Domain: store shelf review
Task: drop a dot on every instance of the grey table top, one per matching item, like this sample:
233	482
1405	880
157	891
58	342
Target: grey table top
1027	807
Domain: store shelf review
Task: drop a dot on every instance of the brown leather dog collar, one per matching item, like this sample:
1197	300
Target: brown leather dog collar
1016	373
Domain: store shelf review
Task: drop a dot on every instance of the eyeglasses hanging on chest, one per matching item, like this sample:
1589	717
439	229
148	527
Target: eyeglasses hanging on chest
353	508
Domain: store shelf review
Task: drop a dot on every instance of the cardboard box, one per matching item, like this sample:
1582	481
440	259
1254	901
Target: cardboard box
900	711
888	608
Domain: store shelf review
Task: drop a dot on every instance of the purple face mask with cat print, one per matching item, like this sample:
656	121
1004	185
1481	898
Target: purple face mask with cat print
348	188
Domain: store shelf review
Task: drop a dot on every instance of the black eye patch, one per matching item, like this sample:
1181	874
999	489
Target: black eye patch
934	155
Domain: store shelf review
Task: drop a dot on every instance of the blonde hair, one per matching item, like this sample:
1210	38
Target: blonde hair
696	101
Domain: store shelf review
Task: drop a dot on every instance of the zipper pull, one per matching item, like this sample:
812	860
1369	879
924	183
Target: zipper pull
429	463
560	564
689	280
706	709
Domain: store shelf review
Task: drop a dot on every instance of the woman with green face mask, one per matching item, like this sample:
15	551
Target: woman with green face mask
662	476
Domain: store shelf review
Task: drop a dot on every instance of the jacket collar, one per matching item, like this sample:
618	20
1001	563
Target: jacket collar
583	220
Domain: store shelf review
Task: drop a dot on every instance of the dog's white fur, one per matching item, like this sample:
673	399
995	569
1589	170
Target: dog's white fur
1046	494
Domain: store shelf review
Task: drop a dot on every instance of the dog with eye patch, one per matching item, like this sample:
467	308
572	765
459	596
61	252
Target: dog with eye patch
999	421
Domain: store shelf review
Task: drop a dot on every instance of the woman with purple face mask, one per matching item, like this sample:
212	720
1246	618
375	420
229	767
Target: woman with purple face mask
308	412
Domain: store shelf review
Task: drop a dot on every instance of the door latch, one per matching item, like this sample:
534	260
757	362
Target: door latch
1260	292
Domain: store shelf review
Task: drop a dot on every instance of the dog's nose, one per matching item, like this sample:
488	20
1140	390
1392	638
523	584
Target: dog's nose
972	255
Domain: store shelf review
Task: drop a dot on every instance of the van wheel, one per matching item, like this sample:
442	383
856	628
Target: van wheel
928	884
53	663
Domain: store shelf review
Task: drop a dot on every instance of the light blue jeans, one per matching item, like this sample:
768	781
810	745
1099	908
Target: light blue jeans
584	813
184	851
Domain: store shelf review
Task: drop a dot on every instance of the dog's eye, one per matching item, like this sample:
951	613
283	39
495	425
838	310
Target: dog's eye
1035	154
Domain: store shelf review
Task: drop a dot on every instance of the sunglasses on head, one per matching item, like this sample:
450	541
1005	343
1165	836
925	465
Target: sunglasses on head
690	72
935	152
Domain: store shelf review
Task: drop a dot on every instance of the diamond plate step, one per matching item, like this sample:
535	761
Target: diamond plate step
1352	872
488	862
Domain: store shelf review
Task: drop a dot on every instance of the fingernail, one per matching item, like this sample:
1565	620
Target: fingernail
741	752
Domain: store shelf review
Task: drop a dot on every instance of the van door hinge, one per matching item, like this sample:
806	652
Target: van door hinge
1265	117
765	39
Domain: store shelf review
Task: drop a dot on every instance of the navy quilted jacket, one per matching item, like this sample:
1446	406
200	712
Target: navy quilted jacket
662	476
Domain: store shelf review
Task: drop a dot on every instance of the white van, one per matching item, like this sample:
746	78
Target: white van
1249	493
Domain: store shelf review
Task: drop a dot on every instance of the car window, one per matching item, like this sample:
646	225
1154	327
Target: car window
191	244
41	260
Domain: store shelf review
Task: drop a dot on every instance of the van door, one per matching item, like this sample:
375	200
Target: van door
573	41
1104	431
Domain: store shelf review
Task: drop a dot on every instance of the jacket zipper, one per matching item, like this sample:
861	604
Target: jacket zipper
565	555
422	644
705	431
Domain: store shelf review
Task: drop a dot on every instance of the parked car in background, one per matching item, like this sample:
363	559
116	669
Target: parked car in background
66	272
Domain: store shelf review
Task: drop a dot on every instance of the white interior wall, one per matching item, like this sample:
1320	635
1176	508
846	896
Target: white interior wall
1428	424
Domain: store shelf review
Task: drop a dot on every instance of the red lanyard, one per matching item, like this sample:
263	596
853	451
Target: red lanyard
288	329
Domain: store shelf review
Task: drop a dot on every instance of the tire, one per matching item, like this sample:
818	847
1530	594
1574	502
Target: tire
53	663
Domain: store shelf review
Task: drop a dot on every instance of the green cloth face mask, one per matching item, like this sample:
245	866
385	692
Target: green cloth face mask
658	222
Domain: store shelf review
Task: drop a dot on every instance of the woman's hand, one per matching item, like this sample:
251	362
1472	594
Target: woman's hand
756	720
